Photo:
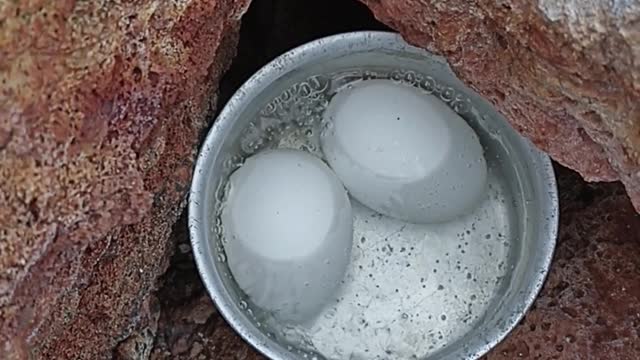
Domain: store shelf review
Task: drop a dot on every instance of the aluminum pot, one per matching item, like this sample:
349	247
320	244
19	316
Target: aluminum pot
527	172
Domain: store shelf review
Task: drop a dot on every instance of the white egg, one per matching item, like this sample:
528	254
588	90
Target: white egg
403	153
289	229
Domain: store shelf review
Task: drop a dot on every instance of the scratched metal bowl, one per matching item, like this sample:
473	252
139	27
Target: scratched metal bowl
526	172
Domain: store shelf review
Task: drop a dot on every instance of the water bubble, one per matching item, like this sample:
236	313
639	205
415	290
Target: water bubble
462	107
306	147
367	74
243	305
447	94
410	77
222	257
428	84
396	76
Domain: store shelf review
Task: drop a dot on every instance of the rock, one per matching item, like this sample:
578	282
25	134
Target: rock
102	106
140	343
185	337
189	326
565	73
590	305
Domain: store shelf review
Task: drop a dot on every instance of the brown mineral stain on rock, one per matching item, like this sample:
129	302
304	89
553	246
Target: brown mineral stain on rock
101	108
564	73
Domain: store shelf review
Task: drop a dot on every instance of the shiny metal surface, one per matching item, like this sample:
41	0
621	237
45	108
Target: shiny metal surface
526	175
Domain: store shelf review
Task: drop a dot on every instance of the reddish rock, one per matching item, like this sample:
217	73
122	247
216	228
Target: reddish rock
589	308
189	326
565	73
102	105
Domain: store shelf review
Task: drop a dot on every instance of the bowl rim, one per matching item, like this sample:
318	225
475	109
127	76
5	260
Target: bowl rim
211	146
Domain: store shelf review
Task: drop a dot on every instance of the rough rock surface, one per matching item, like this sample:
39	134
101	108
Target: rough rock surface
566	73
189	326
102	104
589	308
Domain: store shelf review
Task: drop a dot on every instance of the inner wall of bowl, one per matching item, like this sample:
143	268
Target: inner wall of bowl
529	190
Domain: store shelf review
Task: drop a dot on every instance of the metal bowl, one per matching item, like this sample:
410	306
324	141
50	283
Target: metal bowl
525	173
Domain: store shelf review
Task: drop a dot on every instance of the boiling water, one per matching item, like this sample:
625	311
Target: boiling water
410	290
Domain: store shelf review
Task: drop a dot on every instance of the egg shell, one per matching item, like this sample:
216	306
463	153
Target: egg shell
288	230
403	152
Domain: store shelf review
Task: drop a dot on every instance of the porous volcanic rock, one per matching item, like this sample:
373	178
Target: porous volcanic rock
565	73
102	105
589	308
